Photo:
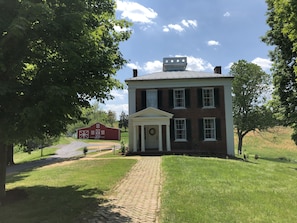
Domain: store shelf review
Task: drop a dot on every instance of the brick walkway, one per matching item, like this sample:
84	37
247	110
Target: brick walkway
136	198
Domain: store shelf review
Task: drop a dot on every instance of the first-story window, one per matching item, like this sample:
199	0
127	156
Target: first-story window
180	129
209	128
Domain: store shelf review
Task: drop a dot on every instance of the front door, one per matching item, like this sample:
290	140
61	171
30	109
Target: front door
152	137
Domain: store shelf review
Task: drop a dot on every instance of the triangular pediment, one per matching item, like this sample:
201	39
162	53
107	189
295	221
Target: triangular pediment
151	112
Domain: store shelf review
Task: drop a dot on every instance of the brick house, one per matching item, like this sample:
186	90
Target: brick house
177	111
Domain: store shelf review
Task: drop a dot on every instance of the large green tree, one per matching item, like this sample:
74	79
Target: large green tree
55	55
282	21
249	86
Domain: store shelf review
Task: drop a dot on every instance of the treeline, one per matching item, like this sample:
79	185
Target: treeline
90	116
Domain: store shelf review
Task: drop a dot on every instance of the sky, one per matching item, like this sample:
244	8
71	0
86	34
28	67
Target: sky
208	32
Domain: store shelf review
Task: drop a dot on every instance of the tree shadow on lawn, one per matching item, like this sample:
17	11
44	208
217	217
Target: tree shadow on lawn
13	171
57	204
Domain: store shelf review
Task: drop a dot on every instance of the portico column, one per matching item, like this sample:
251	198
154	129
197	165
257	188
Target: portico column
142	139
168	138
135	138
160	138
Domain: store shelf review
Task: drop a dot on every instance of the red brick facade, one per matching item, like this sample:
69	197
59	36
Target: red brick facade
193	113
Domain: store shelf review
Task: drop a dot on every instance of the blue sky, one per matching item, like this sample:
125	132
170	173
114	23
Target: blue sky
209	32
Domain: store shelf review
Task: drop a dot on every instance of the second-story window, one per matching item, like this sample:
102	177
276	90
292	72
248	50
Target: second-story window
179	98
208	97
152	98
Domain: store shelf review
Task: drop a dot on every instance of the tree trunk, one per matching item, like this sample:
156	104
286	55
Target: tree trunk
239	147
10	155
3	155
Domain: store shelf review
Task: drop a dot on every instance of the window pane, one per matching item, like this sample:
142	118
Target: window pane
208	97
152	98
209	128
179	98
180	129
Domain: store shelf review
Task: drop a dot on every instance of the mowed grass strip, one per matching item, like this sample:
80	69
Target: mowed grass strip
197	189
22	157
63	192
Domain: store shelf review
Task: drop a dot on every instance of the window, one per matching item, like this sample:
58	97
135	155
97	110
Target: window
180	129
179	98
208	97
209	129
152	98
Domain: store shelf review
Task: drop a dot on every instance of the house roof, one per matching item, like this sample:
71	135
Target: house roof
169	75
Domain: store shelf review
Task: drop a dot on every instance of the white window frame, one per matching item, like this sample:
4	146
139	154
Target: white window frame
209	132
180	133
208	97
152	98
182	103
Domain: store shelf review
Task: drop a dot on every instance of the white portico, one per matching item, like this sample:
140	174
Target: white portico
150	129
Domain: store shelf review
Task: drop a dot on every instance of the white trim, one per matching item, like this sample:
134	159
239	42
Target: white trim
148	117
229	119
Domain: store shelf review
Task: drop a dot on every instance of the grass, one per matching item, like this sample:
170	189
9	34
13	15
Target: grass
21	157
63	192
111	154
220	190
195	189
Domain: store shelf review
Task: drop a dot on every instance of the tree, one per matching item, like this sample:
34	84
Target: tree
123	123
111	118
92	115
55	56
281	18
249	112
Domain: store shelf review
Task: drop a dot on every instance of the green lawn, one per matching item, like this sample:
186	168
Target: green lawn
63	192
195	189
21	157
220	190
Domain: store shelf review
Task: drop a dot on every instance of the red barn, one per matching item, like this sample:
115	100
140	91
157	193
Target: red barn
99	131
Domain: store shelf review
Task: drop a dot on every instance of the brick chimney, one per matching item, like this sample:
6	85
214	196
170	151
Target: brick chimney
135	72
218	70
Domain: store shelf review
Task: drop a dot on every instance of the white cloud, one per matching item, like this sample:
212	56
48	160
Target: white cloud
229	65
118	104
119	94
166	29
121	29
181	26
227	14
133	66
213	43
153	66
193	63
136	12
198	64
188	23
117	108
176	27
265	64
